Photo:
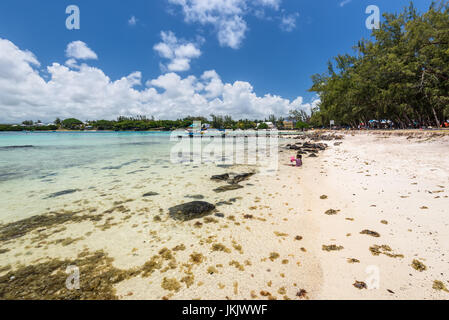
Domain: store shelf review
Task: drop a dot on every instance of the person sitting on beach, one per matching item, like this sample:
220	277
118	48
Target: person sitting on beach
299	161
293	161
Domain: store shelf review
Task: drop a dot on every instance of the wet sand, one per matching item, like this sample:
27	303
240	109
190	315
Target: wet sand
267	242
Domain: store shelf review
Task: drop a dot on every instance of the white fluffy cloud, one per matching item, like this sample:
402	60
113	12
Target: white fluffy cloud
79	50
132	21
86	92
226	16
288	22
179	52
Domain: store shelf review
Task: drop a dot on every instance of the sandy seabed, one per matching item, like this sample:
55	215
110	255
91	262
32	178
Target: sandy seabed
367	219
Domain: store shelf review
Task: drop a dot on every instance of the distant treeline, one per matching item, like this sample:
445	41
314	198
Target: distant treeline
142	123
401	75
9	127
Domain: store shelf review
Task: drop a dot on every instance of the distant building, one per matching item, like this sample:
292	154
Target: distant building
290	125
270	125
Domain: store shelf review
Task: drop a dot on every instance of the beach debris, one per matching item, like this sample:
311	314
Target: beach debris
418	265
377	250
179	247
191	210
273	256
212	270
188	280
220	247
424	208
61	193
150	194
298	238
332	247
170	284
331	212
323	197
195	196
196	258
353	260
264	293
280	234
360	285
219	215
439	285
197	224
237	265
384	222
302	294
370	233
229	187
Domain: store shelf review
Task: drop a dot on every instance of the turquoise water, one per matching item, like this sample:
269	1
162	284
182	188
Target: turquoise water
37	155
35	168
85	171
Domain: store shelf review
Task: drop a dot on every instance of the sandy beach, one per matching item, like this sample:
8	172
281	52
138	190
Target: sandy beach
366	219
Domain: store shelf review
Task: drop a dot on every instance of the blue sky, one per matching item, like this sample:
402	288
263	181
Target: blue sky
275	58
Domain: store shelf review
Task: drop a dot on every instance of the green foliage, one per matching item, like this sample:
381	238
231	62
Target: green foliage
401	75
302	125
263	126
9	127
72	124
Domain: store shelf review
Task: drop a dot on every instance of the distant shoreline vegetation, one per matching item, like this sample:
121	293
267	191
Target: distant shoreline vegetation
297	120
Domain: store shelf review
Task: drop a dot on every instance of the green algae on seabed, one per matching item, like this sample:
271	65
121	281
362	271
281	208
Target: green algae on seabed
418	265
20	228
47	281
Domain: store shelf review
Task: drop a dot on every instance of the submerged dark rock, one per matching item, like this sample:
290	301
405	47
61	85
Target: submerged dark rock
232	178
228	187
191	210
61	193
195	196
220	177
16	147
150	194
240	177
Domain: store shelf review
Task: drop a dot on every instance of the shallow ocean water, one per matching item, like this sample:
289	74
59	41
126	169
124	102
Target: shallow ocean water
47	172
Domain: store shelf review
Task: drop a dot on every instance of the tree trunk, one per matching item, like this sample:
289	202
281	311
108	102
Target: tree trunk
436	117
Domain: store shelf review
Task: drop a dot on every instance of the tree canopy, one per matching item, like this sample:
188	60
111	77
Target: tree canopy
401	74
